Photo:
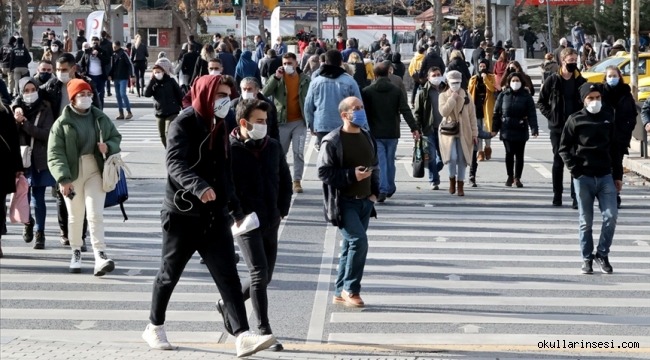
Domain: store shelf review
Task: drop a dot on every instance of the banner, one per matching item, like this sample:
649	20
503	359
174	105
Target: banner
94	24
275	24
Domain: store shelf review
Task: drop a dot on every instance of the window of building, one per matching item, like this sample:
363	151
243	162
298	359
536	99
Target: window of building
152	35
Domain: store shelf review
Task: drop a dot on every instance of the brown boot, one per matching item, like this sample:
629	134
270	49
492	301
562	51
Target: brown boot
121	116
461	190
480	156
452	185
297	187
488	153
129	115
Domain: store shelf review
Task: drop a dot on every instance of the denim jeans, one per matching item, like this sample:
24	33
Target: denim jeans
100	85
37	202
120	93
457	163
435	163
355	214
589	188
386	149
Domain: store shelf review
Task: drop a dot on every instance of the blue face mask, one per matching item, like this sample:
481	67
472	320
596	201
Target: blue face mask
612	81
359	118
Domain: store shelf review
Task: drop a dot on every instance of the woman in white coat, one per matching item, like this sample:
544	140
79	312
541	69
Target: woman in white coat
456	105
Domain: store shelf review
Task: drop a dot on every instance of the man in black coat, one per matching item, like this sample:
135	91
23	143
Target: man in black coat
263	185
107	45
250	89
432	59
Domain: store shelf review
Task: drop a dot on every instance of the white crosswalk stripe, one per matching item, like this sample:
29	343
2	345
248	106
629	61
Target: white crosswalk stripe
140	133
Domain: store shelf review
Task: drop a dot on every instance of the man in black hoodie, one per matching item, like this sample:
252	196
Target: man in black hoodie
262	185
589	150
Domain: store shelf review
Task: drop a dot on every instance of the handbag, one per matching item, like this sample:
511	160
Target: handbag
26	150
418	159
449	126
19	203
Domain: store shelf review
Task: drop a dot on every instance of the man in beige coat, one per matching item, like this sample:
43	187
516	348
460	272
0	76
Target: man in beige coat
456	149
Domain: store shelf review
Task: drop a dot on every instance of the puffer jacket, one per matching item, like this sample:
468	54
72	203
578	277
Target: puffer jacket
514	113
40	132
166	94
336	178
620	99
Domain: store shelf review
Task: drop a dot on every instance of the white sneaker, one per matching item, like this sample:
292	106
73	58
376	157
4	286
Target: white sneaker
248	343
75	262
103	264
156	337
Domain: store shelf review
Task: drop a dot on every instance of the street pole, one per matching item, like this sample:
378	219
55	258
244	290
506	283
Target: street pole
11	16
392	22
473	14
488	29
135	22
318	24
634	64
243	25
548	24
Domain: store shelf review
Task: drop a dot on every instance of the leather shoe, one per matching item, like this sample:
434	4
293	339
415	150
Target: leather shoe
352	300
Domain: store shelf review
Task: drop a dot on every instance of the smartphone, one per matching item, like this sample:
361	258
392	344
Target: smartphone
369	168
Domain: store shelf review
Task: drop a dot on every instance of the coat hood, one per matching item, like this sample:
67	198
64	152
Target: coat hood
331	71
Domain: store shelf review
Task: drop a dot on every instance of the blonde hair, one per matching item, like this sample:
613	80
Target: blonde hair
354	58
138	41
456	54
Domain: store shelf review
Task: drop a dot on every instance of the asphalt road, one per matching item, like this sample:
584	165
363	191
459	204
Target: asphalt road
491	275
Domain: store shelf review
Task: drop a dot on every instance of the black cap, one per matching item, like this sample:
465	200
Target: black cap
587	88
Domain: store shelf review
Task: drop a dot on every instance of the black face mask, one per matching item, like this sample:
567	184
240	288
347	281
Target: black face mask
571	67
484	71
44	77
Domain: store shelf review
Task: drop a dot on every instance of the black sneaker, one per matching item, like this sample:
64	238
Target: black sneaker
587	267
557	200
381	198
603	262
39	244
226	323
28	231
3	231
472	181
277	346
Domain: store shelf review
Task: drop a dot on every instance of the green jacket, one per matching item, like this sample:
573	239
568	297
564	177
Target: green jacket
275	87
62	148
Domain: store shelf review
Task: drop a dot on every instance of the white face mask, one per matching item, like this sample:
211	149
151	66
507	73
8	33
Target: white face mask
289	69
258	132
247	95
594	106
55	49
437	80
454	86
221	107
514	85
214	72
64	77
158	76
30	98
83	102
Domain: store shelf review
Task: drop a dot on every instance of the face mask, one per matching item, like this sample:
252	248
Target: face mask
515	85
594	106
64	77
30	98
83	102
158	76
247	95
288	69
510	71
612	81
44	77
214	72
221	107
55	49
435	81
430	43
571	67
359	118
454	86
258	132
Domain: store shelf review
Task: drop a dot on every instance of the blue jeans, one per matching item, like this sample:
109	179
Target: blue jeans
457	163
435	162
37	202
100	85
386	149
120	93
355	214
602	188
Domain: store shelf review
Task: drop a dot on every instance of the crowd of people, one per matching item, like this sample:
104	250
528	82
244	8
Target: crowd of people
228	116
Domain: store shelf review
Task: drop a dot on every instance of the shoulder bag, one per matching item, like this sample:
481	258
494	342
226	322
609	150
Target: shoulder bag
26	150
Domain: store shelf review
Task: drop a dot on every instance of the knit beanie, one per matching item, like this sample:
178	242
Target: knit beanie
453	75
587	88
166	65
75	86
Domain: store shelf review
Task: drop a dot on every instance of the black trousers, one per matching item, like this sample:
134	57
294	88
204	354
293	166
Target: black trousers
210	235
62	214
139	66
3	222
558	167
260	250
514	157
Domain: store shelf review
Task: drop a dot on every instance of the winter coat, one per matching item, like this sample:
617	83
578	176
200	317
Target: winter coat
324	95
277	89
121	66
262	178
514	113
51	92
228	62
620	99
465	114
102	55
9	152
187	63
360	75
415	65
551	100
430	60
383	103
40	132
62	149
20	58
273	131
427	115
5	55
166	94
80	42
141	53
336	178
490	98
268	66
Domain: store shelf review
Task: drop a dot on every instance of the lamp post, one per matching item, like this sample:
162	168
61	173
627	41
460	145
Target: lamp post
488	28
135	21
392	21
318	24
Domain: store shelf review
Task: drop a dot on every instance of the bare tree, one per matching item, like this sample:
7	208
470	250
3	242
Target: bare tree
27	20
438	19
514	22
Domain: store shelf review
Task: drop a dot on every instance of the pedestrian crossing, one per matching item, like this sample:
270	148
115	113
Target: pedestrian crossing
140	133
